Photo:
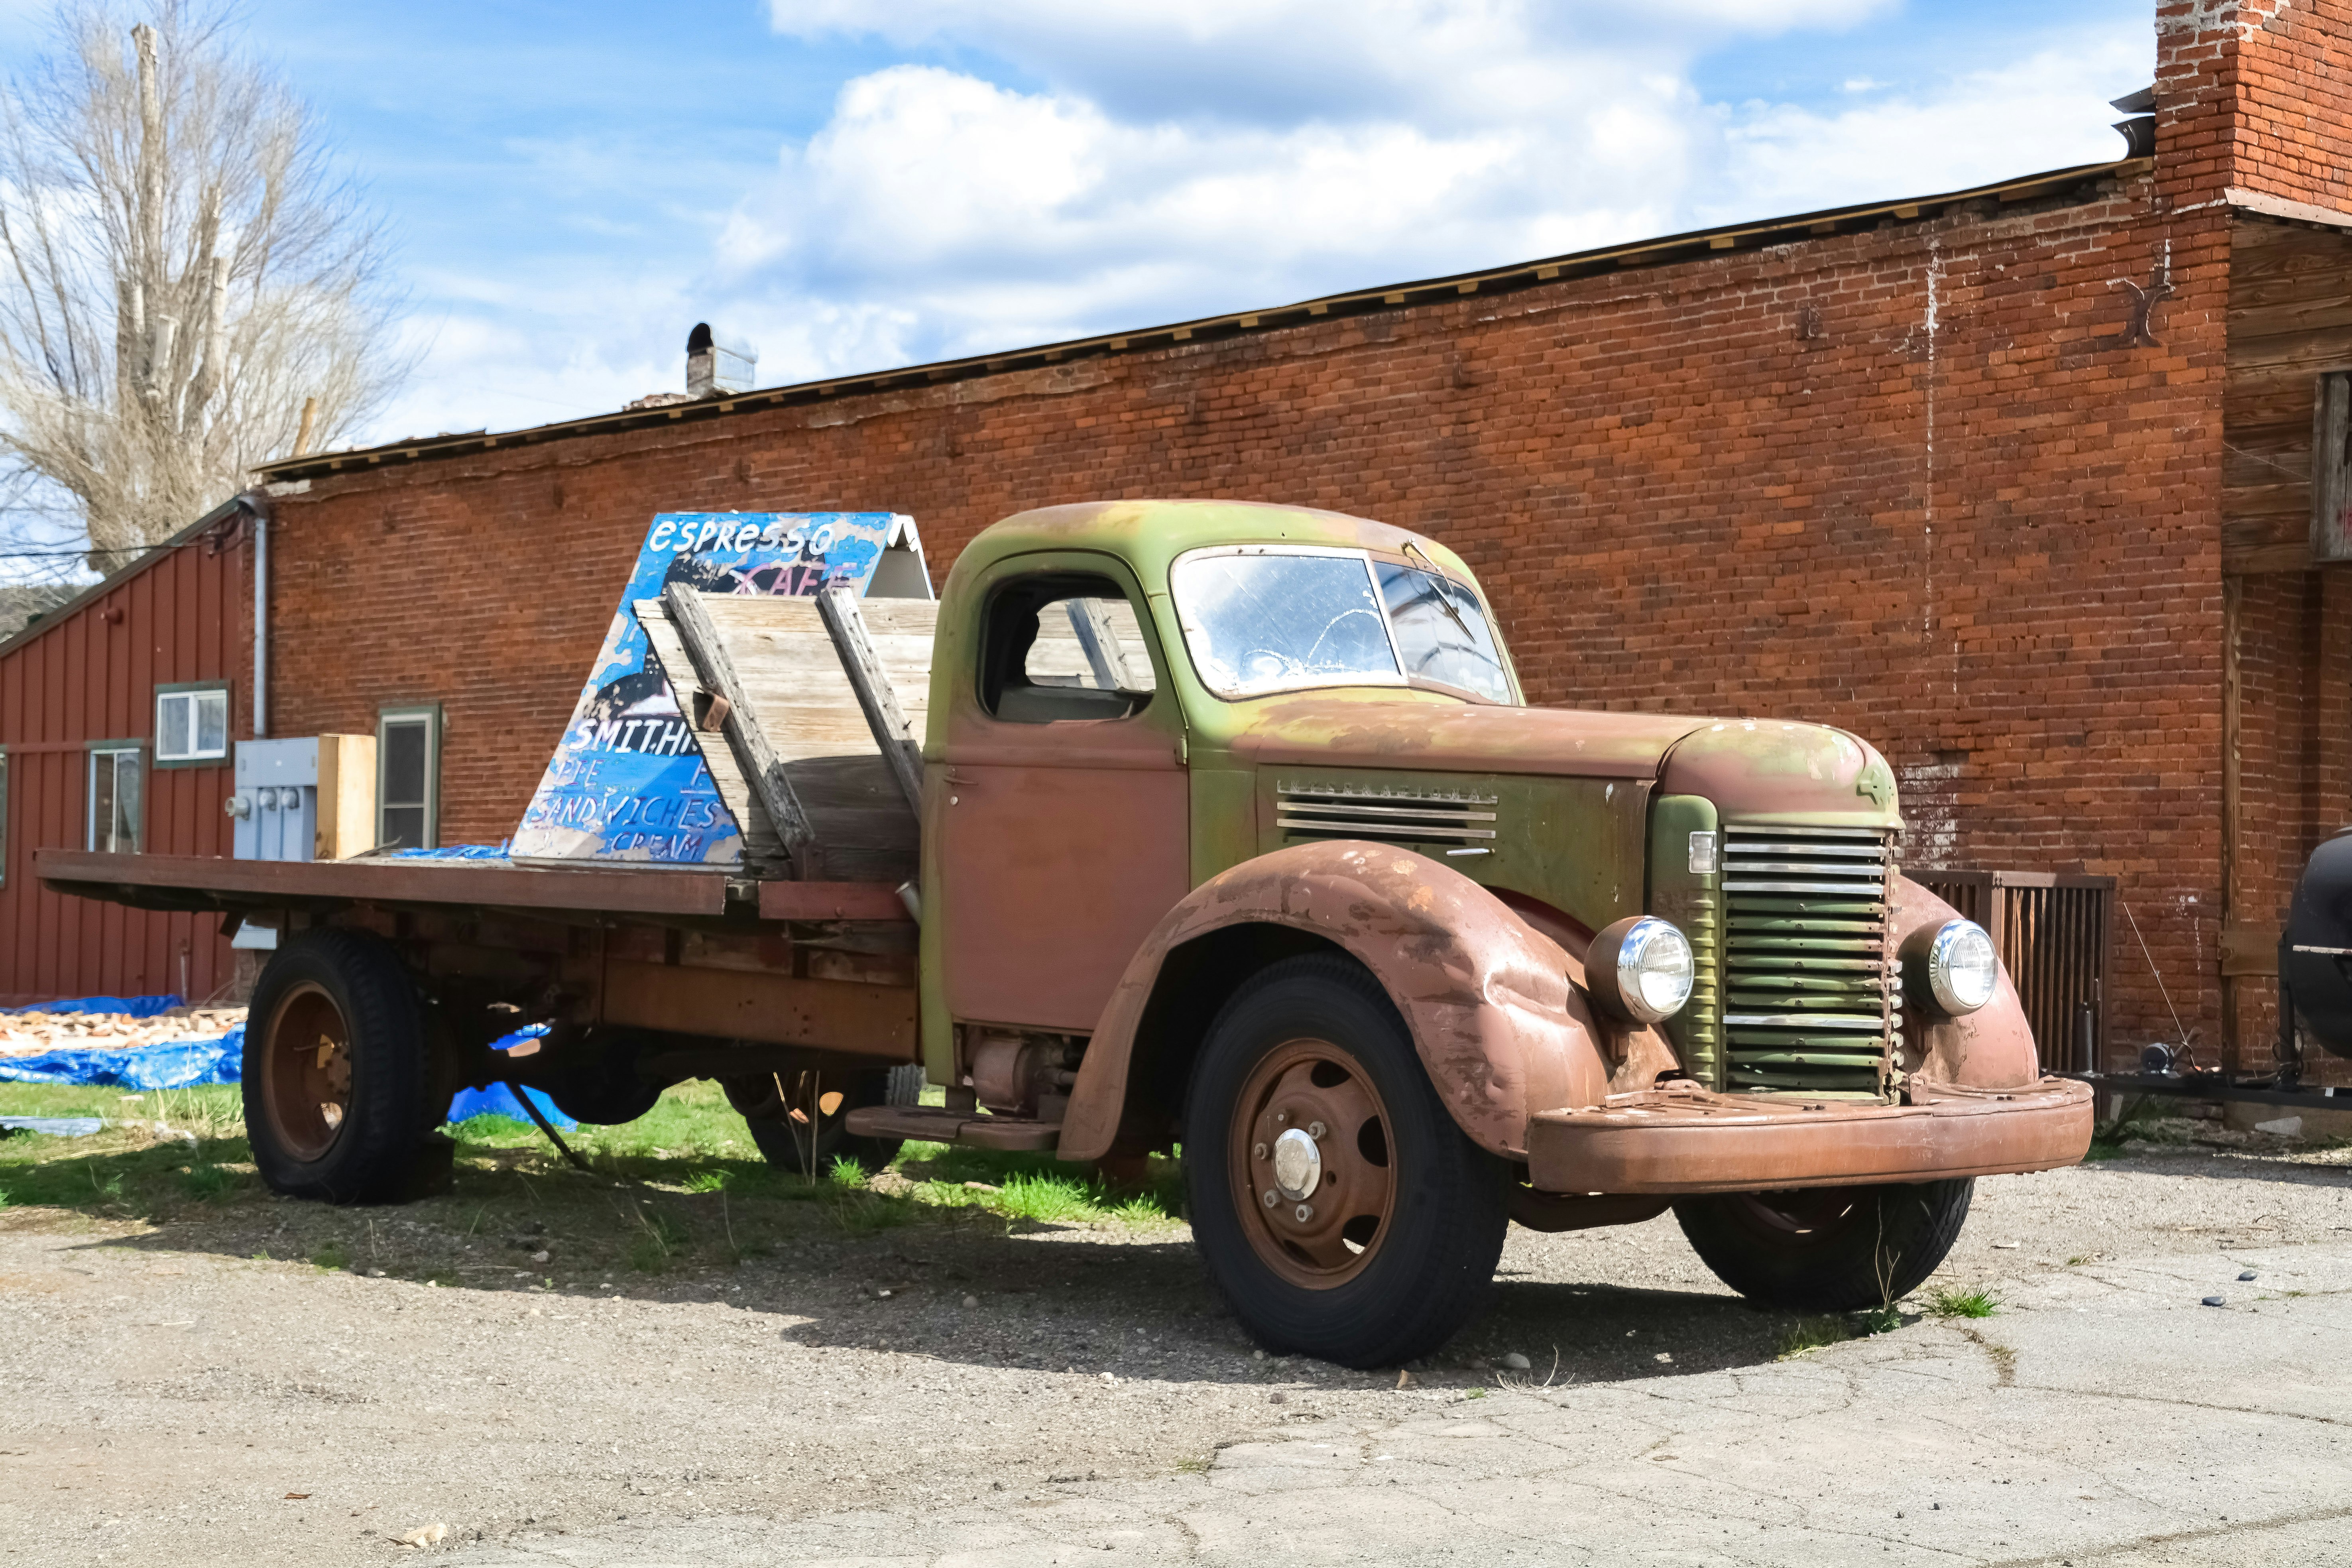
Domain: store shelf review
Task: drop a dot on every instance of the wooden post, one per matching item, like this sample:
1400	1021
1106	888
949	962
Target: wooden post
836	605
717	672
1099	638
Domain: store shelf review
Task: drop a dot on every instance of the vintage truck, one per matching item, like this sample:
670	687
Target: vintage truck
1236	837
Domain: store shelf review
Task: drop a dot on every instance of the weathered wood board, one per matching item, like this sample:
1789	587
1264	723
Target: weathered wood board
804	704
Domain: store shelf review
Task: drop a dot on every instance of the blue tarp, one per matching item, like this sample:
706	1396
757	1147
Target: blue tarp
180	1064
499	1099
453	852
174	1064
128	1007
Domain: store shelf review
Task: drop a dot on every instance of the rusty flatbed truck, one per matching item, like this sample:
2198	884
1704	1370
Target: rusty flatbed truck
1292	878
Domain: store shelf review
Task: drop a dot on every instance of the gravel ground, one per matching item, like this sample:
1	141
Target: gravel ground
172	1398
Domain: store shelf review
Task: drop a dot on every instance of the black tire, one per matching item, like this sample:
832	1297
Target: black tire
606	1089
1427	1267
1827	1249
784	1140
336	1022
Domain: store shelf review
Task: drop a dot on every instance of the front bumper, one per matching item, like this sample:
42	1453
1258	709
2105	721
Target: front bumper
1680	1139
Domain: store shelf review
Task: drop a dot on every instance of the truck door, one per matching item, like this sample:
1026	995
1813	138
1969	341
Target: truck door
1063	829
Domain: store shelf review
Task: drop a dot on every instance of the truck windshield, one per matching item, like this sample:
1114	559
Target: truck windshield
1261	620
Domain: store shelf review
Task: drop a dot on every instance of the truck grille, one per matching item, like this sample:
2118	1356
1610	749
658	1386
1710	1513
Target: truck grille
1307	811
1806	981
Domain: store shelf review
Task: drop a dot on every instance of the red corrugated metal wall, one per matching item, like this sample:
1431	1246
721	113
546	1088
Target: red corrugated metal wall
90	674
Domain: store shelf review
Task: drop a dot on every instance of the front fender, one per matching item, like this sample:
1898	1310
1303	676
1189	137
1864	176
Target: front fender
1991	1048
1498	1025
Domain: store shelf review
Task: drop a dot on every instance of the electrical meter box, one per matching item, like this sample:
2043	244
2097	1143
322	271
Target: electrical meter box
309	799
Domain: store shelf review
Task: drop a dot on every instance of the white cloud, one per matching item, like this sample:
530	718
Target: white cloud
1050	168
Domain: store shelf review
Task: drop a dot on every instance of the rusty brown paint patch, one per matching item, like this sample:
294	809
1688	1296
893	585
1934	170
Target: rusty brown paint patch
1498	1025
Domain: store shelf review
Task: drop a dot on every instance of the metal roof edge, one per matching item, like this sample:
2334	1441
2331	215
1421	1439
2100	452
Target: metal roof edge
52	619
1687	246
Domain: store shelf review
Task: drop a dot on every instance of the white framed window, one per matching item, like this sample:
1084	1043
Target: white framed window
191	724
408	777
115	797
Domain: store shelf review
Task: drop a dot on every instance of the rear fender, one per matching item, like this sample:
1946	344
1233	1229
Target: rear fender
1499	1026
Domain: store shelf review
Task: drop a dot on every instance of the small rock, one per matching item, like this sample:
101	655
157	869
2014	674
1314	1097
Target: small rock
1515	1362
971	1301
1258	1355
538	1256
376	1273
1475	1364
1109	1378
423	1535
2214	1301
2247	1274
1668	1356
1277	1399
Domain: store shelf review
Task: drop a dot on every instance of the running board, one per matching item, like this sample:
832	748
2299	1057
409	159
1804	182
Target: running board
933	1124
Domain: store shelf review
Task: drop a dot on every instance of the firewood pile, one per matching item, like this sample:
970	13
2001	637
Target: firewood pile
26	1034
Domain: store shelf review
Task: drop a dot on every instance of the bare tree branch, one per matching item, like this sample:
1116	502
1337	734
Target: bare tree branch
181	267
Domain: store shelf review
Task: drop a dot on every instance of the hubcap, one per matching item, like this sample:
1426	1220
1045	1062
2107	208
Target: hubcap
306	1071
1310	1164
1298	1165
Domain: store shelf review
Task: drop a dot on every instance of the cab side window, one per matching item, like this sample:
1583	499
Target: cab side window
1063	646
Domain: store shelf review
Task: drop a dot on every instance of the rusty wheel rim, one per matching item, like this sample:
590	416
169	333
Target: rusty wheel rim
306	1071
1319	1233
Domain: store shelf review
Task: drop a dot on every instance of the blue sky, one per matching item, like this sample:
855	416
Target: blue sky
852	185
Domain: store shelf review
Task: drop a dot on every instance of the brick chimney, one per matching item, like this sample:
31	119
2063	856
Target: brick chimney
2254	104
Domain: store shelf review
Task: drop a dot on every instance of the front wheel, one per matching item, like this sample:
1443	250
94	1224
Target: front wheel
1827	1249
1336	1204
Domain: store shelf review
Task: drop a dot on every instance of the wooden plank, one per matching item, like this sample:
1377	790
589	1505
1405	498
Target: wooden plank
252	884
791	670
2331	470
763	850
831	902
838	607
2251	561
712	664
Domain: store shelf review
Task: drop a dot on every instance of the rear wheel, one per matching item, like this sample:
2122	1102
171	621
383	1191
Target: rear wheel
780	1108
1827	1249
335	1071
1337	1204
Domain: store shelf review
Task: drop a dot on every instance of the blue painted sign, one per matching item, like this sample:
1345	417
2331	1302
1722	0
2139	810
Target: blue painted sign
627	785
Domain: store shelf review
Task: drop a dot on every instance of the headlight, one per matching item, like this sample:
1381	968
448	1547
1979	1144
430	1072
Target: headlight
1962	968
1639	969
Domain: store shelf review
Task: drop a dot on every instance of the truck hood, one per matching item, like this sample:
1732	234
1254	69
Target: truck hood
1747	766
1427	731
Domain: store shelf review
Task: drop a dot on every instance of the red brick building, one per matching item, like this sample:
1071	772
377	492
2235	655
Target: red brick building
2014	481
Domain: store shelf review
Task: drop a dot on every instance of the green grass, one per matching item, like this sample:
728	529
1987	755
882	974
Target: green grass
1808	1334
683	1190
1954	1304
212	1183
1883	1319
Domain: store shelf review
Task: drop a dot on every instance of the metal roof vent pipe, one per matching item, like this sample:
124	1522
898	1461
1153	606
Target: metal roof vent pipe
2139	133
714	366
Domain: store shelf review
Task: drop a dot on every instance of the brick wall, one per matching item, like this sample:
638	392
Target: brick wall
2257	95
1917	482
